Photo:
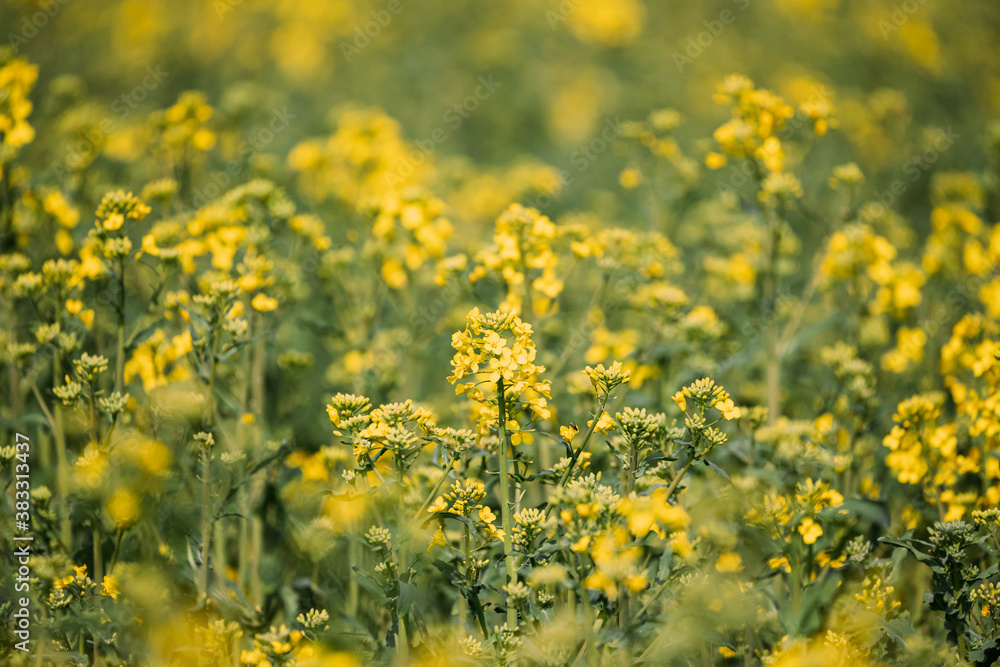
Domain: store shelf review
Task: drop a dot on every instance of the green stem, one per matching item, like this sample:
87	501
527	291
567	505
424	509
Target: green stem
595	299
256	549
206	522
433	494
62	462
98	556
353	591
93	416
243	497
403	643
586	439
120	356
508	544
114	554
679	477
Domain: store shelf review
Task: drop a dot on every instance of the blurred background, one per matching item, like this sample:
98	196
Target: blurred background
562	70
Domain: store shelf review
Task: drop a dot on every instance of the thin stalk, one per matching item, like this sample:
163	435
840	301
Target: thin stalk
243	496
595	299
679	477
256	548
772	379
353	591
464	601
62	463
403	644
622	606
120	356
97	534
98	556
114	554
93	416
206	522
586	439
588	630
433	494
508	544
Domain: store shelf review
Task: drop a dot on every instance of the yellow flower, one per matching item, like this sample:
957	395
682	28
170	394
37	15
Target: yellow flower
681	544
604	424
109	587
729	562
394	274
123	508
437	540
517	436
439	505
264	303
630	178
715	160
680	400
636	582
810	530
780	563
728	409
114	222
486	515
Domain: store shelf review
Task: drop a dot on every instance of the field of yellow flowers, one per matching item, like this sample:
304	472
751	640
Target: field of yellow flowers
534	332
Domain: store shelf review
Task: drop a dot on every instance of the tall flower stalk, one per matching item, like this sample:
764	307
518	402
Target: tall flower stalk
508	544
499	346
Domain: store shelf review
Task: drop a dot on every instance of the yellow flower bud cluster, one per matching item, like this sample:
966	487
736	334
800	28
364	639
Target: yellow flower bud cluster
497	348
522	256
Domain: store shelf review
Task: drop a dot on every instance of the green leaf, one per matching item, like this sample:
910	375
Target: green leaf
909	545
663	566
143	335
407	594
718	470
449	515
867	509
